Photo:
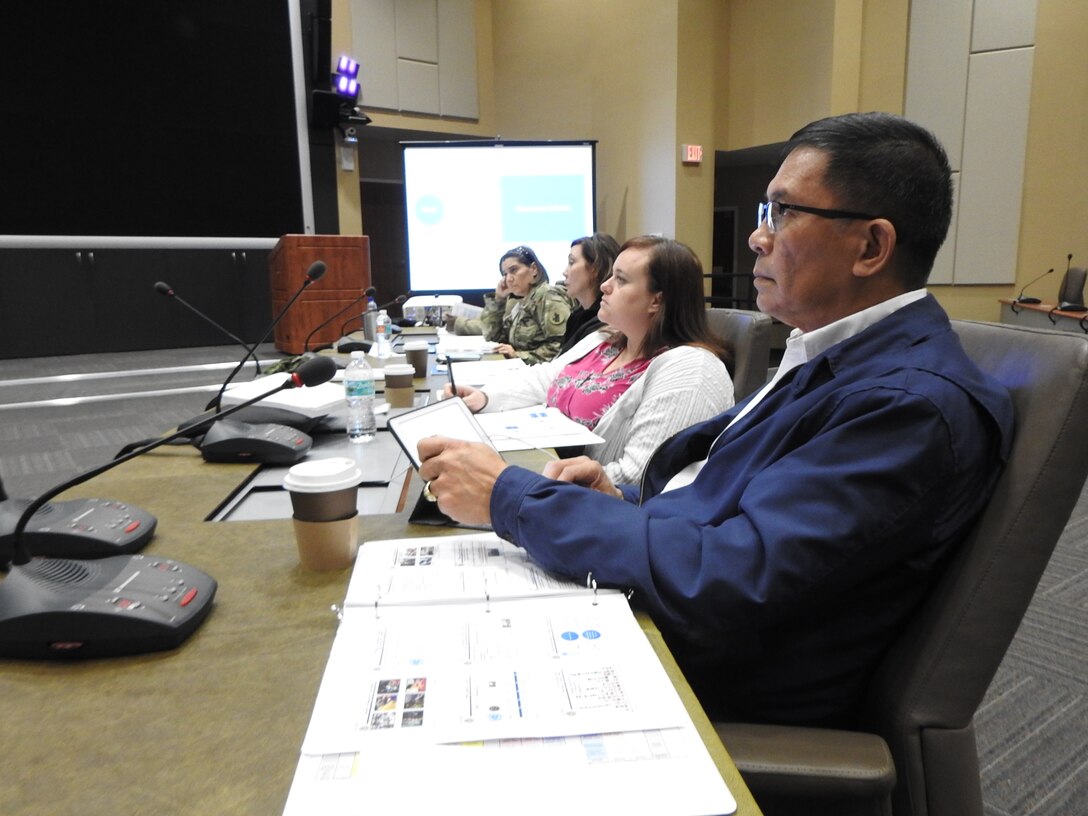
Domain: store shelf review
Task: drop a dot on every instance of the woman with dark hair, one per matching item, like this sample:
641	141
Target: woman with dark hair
532	326
588	266
654	370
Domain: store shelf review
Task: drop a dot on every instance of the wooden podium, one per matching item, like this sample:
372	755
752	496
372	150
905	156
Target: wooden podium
347	275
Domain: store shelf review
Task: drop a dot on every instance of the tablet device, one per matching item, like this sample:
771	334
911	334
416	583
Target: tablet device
448	417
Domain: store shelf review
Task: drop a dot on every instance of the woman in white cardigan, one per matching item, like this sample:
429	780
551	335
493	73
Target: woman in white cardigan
655	370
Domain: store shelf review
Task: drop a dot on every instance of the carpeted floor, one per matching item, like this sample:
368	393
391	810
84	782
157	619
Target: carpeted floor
1032	728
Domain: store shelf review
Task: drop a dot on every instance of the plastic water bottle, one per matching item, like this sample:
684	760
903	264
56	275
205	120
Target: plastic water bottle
384	331
359	391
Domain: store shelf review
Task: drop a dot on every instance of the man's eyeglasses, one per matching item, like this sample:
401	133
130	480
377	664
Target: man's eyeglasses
771	212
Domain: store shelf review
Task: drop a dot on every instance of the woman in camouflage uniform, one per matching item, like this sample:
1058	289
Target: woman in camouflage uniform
531	327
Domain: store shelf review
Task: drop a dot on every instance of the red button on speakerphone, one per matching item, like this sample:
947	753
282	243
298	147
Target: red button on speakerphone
187	598
133	526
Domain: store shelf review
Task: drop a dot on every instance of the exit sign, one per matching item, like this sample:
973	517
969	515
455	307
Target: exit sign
691	154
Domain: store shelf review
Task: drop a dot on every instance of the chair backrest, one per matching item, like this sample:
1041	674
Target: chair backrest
1071	291
928	687
749	335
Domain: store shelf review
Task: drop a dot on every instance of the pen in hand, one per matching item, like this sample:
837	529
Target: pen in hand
449	372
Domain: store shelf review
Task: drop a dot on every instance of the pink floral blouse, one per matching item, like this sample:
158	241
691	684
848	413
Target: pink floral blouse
584	392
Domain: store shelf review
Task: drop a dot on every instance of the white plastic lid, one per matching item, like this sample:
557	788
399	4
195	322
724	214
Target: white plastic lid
416	345
323	475
399	368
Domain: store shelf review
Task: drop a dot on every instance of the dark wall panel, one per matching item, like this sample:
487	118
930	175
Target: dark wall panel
148	118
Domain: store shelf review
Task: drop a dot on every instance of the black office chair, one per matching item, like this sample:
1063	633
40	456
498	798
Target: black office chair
1071	291
749	335
925	693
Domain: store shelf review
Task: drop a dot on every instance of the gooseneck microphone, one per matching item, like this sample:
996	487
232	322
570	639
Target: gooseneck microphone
166	290
1022	299
313	372
397	301
370	292
118	605
313	274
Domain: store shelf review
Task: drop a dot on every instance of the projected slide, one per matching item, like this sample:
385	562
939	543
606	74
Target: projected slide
467	203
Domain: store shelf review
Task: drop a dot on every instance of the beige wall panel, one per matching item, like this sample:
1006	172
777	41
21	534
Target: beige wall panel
1055	211
994	145
779	71
1001	24
568	69
373	35
846	56
944	263
457	83
417	30
884	55
939	46
417	86
698	21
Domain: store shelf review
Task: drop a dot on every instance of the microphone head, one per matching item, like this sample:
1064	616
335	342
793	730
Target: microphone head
314	371
400	299
164	289
370	291
316	270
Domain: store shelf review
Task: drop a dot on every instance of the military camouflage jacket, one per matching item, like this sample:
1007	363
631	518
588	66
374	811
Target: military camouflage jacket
534	325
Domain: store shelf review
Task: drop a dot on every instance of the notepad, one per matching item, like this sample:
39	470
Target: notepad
459	662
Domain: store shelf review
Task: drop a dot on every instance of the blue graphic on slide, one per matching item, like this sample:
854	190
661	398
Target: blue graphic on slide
591	634
429	209
542	208
569	636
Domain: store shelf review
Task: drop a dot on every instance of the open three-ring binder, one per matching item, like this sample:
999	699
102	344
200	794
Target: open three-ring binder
460	661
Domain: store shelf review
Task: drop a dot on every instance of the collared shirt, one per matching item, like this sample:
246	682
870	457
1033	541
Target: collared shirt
800	348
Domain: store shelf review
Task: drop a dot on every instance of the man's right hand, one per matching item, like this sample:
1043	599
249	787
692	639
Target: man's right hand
583	471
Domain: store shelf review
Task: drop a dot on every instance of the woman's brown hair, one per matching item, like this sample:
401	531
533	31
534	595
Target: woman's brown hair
676	272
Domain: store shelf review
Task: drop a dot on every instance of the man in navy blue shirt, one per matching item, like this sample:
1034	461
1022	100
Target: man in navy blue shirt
782	545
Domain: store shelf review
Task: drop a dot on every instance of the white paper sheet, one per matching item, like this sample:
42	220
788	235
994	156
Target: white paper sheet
439	569
535	427
485	671
641	773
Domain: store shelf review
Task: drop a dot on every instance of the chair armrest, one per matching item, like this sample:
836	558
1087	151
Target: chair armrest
814	762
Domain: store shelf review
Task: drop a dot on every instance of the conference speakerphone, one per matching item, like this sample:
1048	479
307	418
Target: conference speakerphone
230	440
121	605
81	528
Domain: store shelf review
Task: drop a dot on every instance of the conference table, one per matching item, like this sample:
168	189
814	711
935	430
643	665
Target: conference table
214	726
